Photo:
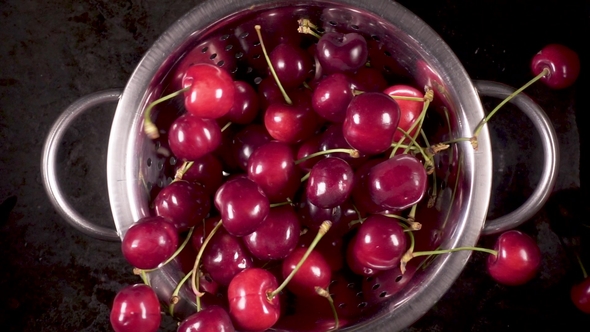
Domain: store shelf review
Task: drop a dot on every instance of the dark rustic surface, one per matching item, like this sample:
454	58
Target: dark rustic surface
52	278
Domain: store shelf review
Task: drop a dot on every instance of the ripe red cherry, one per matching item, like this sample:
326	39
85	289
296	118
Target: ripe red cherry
191	137
410	110
338	52
136	308
206	171
246	141
518	259
242	204
149	242
562	62
184	204
211	319
211	93
331	97
330	182
370	123
291	123
398	182
580	295
315	271
292	64
245	106
225	256
250	307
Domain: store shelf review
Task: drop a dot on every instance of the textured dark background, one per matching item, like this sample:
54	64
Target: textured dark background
53	278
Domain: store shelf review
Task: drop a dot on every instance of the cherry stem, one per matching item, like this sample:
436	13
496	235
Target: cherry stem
270	66
584	273
507	99
412	224
195	279
305	177
175	298
307	27
324	227
352	152
182	170
226	126
149	127
287	202
428	96
325	294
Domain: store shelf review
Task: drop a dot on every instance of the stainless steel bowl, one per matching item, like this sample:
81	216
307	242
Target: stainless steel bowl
407	47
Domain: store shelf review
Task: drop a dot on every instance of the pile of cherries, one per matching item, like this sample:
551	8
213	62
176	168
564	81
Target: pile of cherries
295	194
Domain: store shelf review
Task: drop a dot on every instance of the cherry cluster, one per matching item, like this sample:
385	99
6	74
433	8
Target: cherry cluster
295	194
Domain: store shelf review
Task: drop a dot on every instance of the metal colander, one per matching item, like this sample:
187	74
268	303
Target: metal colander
401	45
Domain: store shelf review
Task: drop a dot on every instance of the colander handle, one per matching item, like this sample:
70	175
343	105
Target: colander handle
48	164
550	162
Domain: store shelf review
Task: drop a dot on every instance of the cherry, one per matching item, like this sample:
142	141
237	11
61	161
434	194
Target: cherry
211	91
304	149
410	110
331	97
245	106
360	190
562	65
246	141
580	295
250	306
242	204
333	138
330	182
292	64
368	79
380	243
225	256
272	167
269	92
397	183
353	261
312	216
184	204
517	261
149	242
192	137
211	319
136	308
292	123
206	171
282	226
315	272
338	52
371	121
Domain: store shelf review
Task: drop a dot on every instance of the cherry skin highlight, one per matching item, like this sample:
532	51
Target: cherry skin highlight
518	259
211	91
561	61
149	242
580	295
211	319
136	308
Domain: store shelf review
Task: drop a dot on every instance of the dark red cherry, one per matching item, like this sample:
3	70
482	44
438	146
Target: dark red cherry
282	226
149	242
580	295
371	121
353	261
312	216
269	92
338	52
409	110
245	106
136	308
292	64
242	204
562	62
225	256
250	307
518	260
398	182
246	141
272	167
368	79
331	97
315	271
304	149
380	243
211	93
333	138
330	182
292	123
184	204
360	190
211	319
206	171
192	137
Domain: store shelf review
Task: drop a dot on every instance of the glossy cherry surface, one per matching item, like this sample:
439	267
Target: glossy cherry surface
184	204
246	141
136	308
207	171
562	62
331	97
242	204
580	295
380	243
518	260
245	106
211	319
225	256
149	242
409	109
250	307
291	123
330	182
191	137
398	182
291	63
338	52
211	92
315	271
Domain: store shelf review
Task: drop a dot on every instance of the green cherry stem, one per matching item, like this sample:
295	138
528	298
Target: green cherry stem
325	294
507	99
270	66
412	224
324	227
409	255
175	298
182	170
178	250
307	27
584	273
352	152
149	127
194	277
226	126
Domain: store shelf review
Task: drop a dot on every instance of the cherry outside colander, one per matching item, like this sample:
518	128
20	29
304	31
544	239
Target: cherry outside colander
400	44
